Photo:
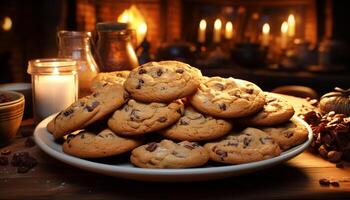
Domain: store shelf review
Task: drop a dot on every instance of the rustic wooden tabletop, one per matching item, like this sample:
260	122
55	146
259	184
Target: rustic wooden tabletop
52	179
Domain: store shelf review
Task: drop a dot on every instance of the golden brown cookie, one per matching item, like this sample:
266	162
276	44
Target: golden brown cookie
104	144
137	118
288	134
194	126
163	81
275	111
104	79
228	97
87	110
168	154
250	145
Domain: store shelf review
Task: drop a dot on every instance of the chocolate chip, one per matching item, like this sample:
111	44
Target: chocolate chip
126	95
126	108
105	84
288	133
159	72
324	182
191	146
222	106
23	169
95	94
220	86
68	112
5	152
232	143
265	140
179	111
92	106
141	82
180	71
188	146
4	161
133	115
29	142
142	71
335	183
82	135
221	153
183	122
162	119
69	138
246	142
250	90
152	146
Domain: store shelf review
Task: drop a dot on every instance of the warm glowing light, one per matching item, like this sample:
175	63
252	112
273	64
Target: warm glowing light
202	30
266	28
55	71
284	27
136	21
291	25
228	30
217	31
7	25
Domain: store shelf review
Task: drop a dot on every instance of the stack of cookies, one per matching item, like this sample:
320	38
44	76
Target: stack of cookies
170	116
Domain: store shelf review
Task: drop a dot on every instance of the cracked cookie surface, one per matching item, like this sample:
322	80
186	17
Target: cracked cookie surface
163	81
275	111
106	143
168	154
87	110
249	145
104	79
288	134
194	126
137	118
227	97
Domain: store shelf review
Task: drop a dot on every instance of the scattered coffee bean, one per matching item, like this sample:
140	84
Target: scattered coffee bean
29	142
335	183
334	156
23	169
324	182
152	146
5	152
23	159
4	161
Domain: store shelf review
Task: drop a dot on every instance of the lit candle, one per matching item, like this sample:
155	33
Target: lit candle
55	85
217	31
284	35
291	25
228	30
265	34
142	32
201	31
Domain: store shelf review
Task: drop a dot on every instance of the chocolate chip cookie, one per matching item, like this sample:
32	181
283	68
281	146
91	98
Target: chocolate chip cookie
250	145
275	111
228	97
106	143
88	110
289	134
168	154
163	81
194	126
137	118
108	78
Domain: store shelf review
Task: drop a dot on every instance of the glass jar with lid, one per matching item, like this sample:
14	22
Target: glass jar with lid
76	45
114	47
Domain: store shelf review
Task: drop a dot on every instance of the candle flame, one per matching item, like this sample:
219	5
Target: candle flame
143	28
7	25
266	28
217	24
202	24
229	26
228	30
291	19
284	27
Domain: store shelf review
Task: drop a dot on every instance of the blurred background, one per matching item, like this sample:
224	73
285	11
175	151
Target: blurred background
239	38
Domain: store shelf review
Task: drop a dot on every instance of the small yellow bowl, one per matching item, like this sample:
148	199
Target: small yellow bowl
11	113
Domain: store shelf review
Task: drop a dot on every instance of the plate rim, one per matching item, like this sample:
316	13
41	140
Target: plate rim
108	168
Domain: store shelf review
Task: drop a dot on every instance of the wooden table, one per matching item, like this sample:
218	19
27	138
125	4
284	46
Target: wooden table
296	179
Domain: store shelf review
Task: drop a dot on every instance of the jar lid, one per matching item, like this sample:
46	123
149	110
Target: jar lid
111	26
52	66
66	33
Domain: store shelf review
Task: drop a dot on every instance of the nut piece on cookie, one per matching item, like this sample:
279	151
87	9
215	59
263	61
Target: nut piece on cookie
168	154
137	118
194	126
276	111
163	81
288	134
104	79
106	143
88	110
250	145
228	97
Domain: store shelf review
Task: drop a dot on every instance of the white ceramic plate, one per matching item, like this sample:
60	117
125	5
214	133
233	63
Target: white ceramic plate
125	169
